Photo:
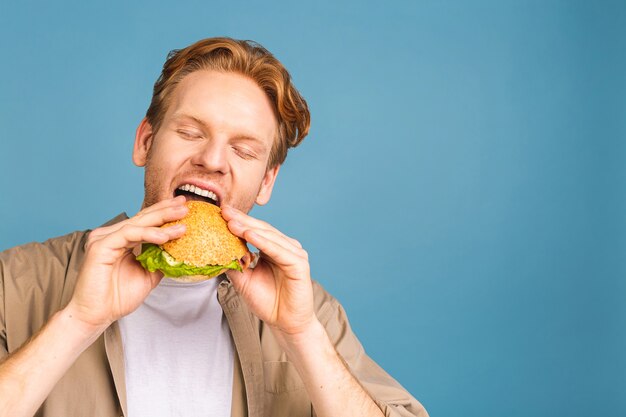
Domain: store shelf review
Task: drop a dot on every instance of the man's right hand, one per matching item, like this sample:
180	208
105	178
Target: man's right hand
111	283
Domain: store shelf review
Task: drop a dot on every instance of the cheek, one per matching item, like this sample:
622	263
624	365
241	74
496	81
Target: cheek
169	155
247	184
161	163
251	174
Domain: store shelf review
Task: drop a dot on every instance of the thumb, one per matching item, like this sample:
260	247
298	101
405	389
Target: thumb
238	278
155	278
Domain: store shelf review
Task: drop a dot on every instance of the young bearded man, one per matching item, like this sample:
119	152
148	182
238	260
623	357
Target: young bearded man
86	331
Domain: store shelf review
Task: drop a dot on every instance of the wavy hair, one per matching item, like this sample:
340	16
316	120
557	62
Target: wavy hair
247	58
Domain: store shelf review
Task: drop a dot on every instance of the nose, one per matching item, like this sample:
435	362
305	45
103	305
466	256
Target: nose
212	156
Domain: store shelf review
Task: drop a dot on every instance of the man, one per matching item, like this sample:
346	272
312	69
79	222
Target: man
87	331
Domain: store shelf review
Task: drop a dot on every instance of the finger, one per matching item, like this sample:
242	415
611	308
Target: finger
231	213
129	236
245	261
254	259
154	215
277	253
239	279
160	216
249	260
155	278
270	234
168	202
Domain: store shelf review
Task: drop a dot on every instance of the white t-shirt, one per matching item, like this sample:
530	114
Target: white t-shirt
178	352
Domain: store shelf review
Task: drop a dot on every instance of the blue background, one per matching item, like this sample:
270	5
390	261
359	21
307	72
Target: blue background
462	191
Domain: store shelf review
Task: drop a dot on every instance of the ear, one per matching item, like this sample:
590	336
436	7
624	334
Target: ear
143	141
265	192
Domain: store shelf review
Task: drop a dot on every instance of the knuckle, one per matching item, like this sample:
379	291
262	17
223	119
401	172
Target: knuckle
95	246
94	237
126	228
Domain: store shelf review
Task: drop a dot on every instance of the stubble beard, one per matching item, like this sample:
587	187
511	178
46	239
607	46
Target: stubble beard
153	194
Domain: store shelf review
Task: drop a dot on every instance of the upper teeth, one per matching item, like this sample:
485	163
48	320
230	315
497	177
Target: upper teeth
198	191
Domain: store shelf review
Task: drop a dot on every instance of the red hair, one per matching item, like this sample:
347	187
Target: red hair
246	58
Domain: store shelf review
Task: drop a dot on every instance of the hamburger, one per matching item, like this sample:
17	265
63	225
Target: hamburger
206	250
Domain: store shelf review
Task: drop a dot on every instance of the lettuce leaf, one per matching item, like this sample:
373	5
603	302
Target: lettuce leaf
152	259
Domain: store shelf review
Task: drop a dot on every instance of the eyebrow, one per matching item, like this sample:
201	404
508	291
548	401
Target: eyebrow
181	116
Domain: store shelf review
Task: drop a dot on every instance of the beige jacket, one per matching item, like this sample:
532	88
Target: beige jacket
38	279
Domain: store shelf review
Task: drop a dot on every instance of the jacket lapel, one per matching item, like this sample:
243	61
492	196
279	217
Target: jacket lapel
115	355
247	346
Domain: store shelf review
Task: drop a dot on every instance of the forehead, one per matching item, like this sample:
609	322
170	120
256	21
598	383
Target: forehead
226	103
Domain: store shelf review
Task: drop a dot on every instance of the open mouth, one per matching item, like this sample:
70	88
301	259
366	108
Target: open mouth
193	193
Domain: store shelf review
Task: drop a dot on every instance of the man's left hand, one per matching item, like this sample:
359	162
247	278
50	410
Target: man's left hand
278	290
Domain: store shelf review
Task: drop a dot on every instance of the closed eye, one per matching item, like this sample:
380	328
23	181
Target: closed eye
186	134
244	153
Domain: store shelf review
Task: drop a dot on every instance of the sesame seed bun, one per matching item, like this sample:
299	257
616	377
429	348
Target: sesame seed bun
207	240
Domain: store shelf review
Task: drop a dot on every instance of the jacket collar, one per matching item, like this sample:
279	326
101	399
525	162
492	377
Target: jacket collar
245	332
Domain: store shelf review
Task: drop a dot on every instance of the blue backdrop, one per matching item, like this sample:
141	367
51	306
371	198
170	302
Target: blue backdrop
462	191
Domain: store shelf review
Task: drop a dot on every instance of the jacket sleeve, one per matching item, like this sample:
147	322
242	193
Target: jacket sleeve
388	394
36	280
